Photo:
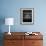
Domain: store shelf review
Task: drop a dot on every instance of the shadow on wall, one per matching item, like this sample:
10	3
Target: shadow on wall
2	21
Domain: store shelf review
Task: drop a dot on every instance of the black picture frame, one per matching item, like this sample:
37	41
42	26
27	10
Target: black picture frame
27	15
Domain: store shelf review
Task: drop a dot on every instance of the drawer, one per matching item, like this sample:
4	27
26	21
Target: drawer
28	37
13	43
16	37
37	43
33	43
9	43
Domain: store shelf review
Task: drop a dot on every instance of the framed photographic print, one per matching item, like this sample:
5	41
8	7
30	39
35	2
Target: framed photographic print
26	15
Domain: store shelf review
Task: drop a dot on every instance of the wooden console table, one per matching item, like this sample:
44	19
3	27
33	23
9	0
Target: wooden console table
20	39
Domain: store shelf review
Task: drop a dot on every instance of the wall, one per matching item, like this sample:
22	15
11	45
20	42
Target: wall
11	8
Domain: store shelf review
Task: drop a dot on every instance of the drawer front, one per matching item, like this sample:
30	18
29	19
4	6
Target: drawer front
33	37
16	37
33	43
9	43
37	43
13	43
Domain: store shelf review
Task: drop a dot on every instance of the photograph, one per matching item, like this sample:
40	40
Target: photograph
26	15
